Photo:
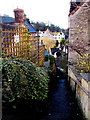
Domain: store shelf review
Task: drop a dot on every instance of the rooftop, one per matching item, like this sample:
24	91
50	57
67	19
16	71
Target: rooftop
75	6
9	20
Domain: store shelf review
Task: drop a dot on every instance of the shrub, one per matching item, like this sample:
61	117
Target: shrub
57	43
66	42
62	41
52	60
46	58
23	80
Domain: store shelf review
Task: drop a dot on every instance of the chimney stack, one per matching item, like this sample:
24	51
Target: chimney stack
19	15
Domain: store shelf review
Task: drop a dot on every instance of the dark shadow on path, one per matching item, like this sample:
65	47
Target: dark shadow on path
62	104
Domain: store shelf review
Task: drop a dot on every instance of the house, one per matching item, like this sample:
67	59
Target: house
53	35
46	33
20	39
20	19
49	38
58	35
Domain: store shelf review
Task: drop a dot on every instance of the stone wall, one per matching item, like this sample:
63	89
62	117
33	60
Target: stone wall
79	29
81	87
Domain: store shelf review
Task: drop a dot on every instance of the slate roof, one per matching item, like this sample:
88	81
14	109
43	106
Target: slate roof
46	53
31	29
74	5
7	19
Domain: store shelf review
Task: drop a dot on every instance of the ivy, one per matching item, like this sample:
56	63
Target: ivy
23	80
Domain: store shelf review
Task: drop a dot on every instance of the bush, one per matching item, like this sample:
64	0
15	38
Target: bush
46	58
52	60
62	41
57	43
23	81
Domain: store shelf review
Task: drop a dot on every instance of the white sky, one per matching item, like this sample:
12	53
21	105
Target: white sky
48	11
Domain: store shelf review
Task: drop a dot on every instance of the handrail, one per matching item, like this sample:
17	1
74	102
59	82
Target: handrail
86	92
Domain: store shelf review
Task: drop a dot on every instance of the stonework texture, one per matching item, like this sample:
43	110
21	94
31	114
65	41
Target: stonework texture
81	92
79	28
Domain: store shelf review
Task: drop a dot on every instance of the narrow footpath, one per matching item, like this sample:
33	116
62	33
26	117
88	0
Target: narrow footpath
62	104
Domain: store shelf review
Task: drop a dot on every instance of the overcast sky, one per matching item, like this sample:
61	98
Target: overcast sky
48	11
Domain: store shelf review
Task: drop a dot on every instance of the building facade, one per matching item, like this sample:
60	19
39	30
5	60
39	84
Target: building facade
19	20
79	29
53	35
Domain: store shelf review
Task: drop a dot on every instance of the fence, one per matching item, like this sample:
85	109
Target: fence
16	41
41	55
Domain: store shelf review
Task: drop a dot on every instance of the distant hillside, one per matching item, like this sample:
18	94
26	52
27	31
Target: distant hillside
42	27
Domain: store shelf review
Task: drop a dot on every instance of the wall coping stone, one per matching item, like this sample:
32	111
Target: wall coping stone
77	74
86	76
80	76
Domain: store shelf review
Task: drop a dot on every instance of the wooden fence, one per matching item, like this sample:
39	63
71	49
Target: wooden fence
41	55
16	41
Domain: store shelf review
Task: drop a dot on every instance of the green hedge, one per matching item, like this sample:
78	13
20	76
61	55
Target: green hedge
23	80
51	58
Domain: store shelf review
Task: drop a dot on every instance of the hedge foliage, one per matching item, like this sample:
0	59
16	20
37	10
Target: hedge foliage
51	58
23	80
